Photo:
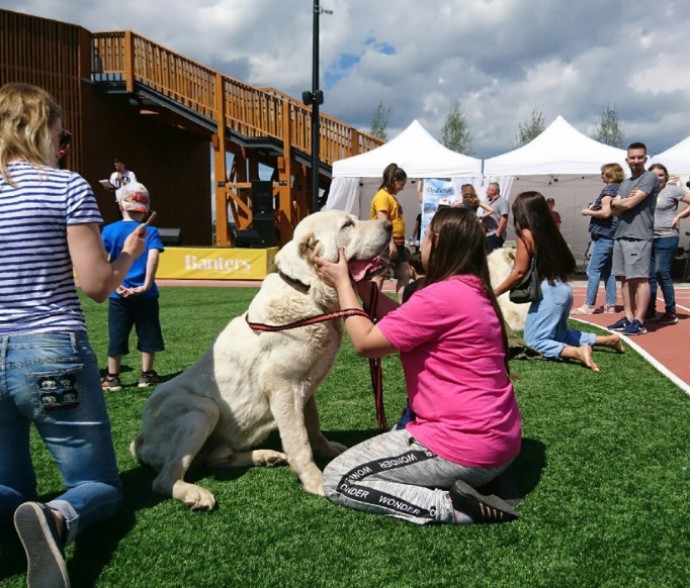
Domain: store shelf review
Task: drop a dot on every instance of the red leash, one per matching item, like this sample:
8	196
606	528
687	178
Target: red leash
375	367
374	364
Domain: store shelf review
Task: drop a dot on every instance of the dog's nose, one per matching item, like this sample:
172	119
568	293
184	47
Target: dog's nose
388	226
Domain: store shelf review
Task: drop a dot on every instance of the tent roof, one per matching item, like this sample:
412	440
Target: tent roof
559	149
676	158
415	151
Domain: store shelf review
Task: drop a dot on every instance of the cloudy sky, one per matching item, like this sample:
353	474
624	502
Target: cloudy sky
501	59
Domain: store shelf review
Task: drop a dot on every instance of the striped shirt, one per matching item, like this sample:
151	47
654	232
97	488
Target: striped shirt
37	291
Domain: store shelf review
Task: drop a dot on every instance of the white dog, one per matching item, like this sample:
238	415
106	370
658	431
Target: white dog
501	262
251	381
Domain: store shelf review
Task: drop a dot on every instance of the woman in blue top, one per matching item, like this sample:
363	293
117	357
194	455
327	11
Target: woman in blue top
49	224
602	229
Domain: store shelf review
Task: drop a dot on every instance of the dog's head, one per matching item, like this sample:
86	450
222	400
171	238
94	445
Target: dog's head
322	234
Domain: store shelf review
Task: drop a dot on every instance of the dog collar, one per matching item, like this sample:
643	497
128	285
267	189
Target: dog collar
296	284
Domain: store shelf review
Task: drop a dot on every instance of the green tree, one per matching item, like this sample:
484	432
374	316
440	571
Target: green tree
455	133
379	121
531	128
609	130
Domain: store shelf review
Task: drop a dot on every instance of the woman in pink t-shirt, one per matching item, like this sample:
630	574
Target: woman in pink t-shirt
465	427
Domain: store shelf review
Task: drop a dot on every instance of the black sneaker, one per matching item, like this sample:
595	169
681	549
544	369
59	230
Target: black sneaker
620	324
111	384
480	508
39	535
148	378
668	318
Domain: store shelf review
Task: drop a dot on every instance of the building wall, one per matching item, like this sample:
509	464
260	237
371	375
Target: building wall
170	157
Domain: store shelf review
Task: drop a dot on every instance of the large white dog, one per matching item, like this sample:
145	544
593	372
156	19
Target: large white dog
251	381
501	262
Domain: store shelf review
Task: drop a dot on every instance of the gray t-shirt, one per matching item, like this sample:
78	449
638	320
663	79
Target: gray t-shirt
638	222
502	208
666	210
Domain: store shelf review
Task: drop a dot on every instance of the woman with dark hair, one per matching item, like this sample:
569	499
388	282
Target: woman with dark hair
464	427
546	328
385	206
602	229
666	241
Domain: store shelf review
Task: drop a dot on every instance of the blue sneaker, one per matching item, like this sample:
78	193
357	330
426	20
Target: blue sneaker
635	328
620	324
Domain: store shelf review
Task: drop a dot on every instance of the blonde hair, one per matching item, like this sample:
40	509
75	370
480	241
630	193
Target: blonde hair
26	115
612	173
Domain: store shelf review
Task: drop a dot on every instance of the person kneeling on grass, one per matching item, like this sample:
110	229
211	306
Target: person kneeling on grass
546	328
465	426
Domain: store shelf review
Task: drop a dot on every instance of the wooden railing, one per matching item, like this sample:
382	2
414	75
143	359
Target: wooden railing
249	111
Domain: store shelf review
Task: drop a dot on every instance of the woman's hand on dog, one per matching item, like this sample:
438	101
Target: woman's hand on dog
331	273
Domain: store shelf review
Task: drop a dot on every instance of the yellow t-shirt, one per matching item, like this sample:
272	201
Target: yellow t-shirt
385	202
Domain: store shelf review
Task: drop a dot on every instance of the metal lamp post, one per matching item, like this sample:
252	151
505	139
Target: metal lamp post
314	99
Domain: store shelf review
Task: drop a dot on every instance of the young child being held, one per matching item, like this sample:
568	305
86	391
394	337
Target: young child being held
135	302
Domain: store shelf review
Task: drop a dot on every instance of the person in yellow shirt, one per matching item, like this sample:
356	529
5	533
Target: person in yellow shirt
385	206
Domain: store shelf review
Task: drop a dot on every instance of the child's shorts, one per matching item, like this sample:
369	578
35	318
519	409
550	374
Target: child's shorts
144	315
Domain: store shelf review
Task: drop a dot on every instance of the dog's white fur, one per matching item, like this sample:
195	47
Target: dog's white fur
501	262
249	382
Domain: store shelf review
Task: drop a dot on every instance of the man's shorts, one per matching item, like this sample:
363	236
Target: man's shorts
631	258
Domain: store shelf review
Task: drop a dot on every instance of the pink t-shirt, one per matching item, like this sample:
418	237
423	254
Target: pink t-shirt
451	349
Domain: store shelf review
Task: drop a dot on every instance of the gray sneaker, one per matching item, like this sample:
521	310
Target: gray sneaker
39	535
480	508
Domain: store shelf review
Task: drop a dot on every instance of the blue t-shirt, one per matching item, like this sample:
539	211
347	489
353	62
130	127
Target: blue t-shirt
114	236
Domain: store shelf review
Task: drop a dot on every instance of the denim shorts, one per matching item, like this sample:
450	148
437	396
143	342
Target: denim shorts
138	312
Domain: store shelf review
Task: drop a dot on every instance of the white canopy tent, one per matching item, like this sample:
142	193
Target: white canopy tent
676	158
562	164
356	179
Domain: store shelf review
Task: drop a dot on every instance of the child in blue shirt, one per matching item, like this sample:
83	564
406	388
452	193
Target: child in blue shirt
135	302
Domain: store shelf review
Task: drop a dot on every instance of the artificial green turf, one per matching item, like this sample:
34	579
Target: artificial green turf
604	472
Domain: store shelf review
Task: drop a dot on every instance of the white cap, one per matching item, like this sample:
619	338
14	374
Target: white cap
134	197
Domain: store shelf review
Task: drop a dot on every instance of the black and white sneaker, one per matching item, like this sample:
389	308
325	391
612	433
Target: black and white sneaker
480	508
39	535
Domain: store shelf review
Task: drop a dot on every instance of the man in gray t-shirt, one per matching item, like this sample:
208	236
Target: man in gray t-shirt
496	224
632	246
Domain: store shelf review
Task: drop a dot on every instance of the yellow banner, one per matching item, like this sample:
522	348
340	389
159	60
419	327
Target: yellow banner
198	263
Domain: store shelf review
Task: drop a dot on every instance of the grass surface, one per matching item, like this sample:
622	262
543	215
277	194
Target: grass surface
604	473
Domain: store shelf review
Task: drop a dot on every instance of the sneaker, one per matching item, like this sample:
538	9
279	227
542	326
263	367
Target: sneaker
111	384
650	315
480	508
635	328
39	535
148	378
620	324
668	318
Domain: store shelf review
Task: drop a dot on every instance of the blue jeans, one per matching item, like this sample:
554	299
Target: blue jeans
546	327
52	381
663	254
599	268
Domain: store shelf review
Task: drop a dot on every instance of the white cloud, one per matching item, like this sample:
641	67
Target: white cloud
500	58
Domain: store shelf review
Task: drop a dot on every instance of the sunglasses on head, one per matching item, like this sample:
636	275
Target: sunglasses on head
65	138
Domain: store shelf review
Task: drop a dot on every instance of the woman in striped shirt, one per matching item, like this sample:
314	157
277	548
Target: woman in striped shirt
49	224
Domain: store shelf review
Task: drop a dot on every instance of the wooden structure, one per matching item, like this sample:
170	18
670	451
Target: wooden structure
125	96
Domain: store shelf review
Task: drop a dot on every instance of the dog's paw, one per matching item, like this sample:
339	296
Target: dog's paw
268	457
314	487
193	496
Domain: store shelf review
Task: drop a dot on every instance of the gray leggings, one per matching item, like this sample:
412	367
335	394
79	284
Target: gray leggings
395	475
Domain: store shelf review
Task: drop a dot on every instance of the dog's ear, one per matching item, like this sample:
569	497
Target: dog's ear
309	247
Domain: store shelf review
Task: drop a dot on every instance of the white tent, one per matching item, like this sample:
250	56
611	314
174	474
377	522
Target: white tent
676	158
562	164
356	179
